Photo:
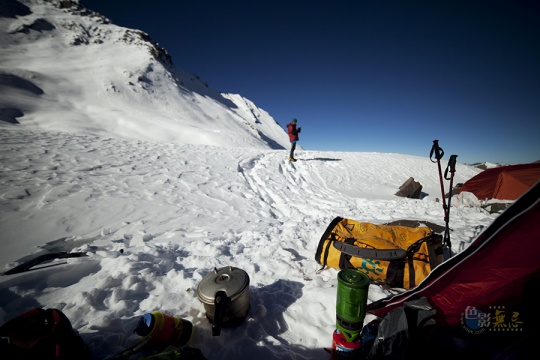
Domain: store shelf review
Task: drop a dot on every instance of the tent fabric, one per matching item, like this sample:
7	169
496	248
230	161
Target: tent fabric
503	183
494	270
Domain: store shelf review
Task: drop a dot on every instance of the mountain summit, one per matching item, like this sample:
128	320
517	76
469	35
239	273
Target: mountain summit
67	68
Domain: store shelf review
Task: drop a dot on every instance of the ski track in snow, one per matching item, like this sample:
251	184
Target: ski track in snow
156	218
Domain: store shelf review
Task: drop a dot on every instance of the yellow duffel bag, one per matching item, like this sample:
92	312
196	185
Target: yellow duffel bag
396	255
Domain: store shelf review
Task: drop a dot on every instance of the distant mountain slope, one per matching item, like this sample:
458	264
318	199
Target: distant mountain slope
67	68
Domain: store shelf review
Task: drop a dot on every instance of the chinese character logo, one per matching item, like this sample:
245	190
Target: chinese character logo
475	321
498	319
506	320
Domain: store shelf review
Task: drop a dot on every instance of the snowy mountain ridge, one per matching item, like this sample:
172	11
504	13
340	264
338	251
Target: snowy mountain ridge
67	68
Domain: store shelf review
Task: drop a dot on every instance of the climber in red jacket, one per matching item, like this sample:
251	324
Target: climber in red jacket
293	137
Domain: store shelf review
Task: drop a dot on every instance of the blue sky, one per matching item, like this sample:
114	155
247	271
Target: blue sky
376	76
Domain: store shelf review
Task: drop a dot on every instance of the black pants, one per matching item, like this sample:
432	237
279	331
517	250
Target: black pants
293	146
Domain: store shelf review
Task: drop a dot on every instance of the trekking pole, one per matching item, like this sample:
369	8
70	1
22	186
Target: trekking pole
452	168
439	153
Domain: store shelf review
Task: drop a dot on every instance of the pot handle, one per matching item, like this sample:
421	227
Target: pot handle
221	302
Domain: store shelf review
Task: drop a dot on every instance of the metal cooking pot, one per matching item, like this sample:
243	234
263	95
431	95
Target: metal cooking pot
225	295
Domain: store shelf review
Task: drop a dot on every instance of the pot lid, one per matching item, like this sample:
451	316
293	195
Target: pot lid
233	281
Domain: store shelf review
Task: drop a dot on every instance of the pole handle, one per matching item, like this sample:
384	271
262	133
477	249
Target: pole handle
436	150
451	167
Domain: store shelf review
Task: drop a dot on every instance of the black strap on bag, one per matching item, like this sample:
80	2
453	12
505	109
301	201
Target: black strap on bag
379	254
412	277
398	258
344	258
349	248
435	251
326	251
395	274
323	250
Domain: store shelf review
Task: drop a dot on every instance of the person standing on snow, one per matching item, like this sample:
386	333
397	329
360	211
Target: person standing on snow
293	137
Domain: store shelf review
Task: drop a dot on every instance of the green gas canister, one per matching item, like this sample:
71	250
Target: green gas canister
352	294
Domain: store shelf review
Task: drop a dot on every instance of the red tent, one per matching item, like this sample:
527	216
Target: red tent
490	287
503	183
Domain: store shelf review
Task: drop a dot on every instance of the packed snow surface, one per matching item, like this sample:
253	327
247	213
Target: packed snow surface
108	149
155	218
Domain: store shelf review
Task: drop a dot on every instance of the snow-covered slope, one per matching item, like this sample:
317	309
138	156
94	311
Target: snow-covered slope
159	179
66	68
155	218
